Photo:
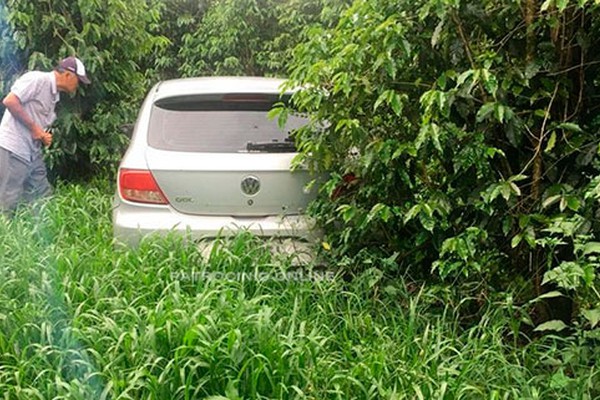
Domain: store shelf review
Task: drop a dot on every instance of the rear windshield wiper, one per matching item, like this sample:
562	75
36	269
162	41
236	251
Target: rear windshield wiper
274	146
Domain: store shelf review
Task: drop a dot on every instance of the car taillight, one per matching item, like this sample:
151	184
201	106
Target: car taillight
139	186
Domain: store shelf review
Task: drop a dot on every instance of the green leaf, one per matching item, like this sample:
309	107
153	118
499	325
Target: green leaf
347	211
571	127
591	248
280	113
435	137
554	325
516	190
485	111
490	82
551	143
573	203
429	132
529	236
505	190
499	112
517	178
462	78
562	5
550	295
441	81
382	97
516	240
567	275
507	225
412	213
592	316
551	200
427	221
437	33
546	5
589	274
560	381
563	204
380	210
396	104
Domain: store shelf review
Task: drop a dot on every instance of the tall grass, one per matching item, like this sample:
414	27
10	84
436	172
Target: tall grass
83	319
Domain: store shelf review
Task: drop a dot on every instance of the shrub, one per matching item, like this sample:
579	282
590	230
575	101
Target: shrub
112	39
469	130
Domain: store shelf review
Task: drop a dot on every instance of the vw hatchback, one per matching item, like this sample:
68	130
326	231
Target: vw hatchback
206	160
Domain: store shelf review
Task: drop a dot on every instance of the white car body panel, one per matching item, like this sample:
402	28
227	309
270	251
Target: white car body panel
203	189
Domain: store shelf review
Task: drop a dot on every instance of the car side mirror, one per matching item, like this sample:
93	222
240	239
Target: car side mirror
127	129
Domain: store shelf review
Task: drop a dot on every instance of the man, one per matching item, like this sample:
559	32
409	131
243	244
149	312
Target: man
25	128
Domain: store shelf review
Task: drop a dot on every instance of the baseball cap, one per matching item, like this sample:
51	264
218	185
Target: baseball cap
75	65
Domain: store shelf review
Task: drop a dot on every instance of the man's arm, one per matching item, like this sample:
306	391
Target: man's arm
14	106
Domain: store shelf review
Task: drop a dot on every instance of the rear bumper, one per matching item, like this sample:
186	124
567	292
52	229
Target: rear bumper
132	222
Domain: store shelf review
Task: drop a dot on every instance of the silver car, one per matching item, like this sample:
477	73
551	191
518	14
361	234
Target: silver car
206	160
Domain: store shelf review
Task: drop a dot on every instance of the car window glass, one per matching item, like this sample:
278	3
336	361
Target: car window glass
215	127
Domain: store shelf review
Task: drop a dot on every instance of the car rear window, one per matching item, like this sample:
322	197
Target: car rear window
217	125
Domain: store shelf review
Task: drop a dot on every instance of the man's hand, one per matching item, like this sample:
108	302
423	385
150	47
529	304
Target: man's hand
47	139
44	136
13	104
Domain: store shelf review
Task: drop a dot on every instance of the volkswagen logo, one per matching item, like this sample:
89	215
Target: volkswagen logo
250	185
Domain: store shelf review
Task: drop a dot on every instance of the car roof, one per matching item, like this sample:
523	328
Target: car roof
217	85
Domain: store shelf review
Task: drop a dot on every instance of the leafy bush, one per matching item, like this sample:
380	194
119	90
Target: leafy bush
112	39
128	46
81	320
255	38
461	135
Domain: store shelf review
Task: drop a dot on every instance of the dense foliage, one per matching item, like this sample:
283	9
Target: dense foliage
112	37
462	137
459	135
79	320
255	38
128	46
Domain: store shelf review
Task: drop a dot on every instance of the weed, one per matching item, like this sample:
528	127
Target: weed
80	319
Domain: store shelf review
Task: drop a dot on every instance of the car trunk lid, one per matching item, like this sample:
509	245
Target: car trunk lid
221	154
233	184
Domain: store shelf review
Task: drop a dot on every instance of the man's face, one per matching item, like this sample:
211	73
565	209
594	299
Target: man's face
72	82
